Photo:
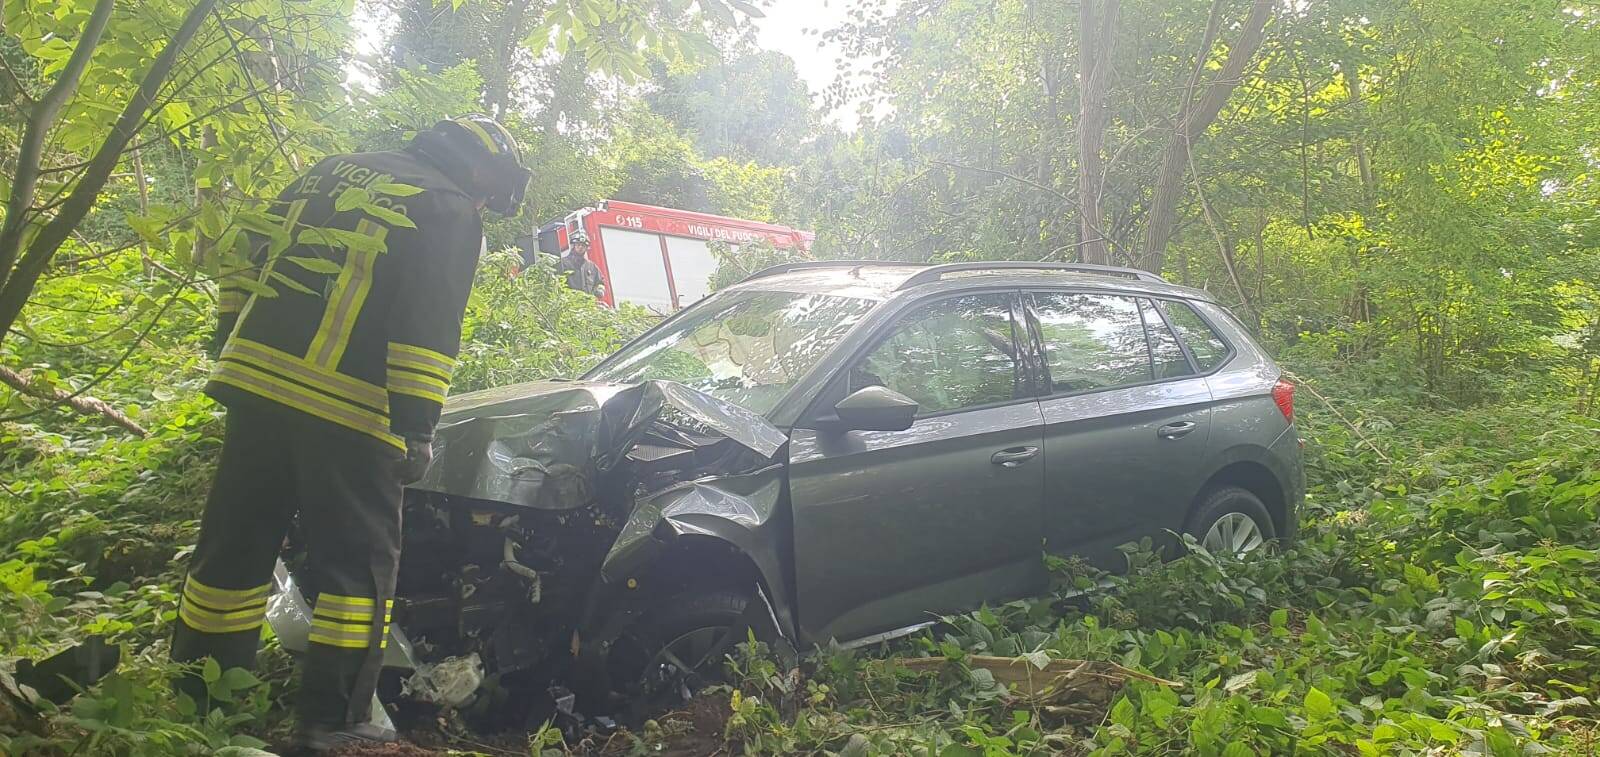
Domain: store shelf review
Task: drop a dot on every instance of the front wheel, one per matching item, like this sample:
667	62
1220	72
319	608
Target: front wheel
678	647
1231	520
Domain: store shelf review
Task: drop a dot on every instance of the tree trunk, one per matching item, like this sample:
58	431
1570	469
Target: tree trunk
17	287
1097	21
1194	117
19	210
497	90
1360	299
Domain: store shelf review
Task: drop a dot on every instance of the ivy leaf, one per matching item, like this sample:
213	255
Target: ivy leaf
351	198
211	672
1319	705
255	287
390	216
1240	682
315	265
396	189
292	284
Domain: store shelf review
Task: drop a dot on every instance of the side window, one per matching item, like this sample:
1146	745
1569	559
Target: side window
1092	341
948	355
1208	349
1166	355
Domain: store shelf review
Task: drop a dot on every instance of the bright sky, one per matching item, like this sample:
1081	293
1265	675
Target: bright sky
792	27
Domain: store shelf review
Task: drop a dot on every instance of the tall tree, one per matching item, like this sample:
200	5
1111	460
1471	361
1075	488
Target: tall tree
1197	111
1097	22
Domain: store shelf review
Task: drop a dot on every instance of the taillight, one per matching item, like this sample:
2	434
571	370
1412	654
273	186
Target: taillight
1283	395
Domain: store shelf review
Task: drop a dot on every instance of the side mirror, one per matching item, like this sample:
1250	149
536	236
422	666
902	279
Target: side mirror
876	408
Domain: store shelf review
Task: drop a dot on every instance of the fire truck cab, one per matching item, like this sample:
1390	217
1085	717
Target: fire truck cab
659	258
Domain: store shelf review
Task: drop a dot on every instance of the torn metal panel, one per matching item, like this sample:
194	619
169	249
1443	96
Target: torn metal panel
740	510
546	444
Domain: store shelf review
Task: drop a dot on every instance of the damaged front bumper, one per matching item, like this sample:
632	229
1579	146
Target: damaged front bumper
545	508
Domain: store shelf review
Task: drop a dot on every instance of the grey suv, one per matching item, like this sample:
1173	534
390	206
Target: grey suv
838	451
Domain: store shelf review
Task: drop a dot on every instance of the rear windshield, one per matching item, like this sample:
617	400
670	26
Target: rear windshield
748	348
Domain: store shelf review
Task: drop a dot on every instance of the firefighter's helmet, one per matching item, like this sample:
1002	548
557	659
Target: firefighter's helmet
483	138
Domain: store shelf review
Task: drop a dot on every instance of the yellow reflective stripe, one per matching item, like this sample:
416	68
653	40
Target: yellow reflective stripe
349	293
412	356
232	302
223	598
488	141
342	602
340	635
334	626
415	385
415	366
345	387
305	400
210	621
341	614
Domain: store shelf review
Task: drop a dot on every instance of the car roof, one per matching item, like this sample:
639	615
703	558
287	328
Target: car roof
886	280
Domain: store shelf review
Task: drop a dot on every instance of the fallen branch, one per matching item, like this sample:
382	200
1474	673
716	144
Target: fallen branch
81	403
1303	384
1068	688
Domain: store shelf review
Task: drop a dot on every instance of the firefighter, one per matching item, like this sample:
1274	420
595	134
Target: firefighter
333	385
581	272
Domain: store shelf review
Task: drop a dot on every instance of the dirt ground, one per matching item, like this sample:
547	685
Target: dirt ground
694	730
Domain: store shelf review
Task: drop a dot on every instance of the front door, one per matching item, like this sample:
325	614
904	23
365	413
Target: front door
892	528
1126	424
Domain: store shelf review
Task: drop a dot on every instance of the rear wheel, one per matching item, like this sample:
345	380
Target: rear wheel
1231	520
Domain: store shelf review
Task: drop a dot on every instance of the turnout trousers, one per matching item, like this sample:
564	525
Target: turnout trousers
276	464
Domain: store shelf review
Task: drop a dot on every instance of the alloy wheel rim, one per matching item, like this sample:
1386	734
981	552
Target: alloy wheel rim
1234	533
686	658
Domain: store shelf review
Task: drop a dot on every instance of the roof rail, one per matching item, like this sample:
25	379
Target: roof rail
935	273
808	265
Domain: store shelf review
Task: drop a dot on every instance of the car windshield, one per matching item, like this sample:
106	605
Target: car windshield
747	348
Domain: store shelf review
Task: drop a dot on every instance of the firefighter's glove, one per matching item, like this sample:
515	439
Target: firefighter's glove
419	455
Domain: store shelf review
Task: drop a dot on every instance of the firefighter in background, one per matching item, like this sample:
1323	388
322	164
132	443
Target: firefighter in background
333	387
581	272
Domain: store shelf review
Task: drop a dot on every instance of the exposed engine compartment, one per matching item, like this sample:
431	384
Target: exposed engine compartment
538	495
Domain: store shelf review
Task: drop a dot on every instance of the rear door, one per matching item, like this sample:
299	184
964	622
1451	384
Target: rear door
1126	421
893	527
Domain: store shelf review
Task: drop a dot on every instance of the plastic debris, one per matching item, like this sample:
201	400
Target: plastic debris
452	682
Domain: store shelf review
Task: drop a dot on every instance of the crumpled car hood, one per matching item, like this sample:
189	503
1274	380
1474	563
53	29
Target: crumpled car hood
544	444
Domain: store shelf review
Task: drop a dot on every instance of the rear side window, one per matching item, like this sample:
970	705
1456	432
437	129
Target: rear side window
1166	355
1092	341
1207	347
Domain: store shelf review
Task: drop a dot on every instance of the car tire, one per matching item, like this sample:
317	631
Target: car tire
647	664
1231	518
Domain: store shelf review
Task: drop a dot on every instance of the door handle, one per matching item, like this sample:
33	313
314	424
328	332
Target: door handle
1176	430
1014	456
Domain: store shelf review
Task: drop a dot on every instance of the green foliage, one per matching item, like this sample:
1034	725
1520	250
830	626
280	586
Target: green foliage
527	325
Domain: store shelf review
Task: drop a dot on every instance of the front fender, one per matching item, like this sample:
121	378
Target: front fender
742	511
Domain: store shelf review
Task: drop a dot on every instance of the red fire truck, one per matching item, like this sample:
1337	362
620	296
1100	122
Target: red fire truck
659	258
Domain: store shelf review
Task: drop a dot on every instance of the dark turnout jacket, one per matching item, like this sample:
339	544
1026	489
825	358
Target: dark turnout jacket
353	335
